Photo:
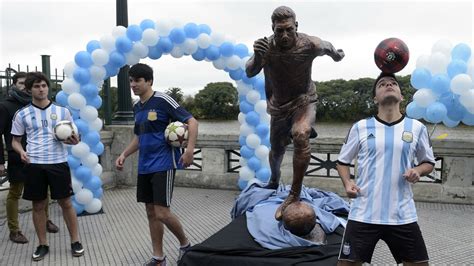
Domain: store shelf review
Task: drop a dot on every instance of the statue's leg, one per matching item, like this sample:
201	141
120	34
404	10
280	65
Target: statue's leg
278	140
300	131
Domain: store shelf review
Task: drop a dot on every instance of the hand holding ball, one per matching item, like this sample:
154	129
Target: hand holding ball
64	130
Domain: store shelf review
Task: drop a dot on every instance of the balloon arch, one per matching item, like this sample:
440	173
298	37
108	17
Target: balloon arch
126	46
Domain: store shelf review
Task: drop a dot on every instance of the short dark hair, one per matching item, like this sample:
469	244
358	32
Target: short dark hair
282	13
33	77
382	75
18	75
141	71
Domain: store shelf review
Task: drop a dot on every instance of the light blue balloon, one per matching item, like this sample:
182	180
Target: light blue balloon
98	193
254	163
116	59
98	149
110	70
82	126
263	174
134	32
262	130
74	113
79	208
436	112
461	51
177	35
155	52
191	30
61	98
242	183
247	80
92	46
421	78
123	44
165	44
468	119
456	67
81	75
147	24
212	52
236	74
252	118
266	141
245	107
82	173
226	49
450	123
241	50
415	111
456	110
96	102
242	140
94	183
199	55
73	161
91	138
260	85
440	83
83	59
203	28
89	90
246	152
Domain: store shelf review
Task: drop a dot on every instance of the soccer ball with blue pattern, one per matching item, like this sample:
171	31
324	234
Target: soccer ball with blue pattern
176	134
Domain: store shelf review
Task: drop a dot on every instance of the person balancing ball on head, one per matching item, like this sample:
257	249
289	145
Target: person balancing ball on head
286	58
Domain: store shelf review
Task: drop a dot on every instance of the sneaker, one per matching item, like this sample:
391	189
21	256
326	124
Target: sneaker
77	249
51	228
3	179
18	237
155	262
183	250
40	252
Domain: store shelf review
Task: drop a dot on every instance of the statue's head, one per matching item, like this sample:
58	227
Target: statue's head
299	218
284	26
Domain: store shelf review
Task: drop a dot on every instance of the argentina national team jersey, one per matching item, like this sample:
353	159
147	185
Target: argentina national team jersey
151	119
384	153
38	124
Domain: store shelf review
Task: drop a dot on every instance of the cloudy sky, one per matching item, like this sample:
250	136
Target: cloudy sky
31	28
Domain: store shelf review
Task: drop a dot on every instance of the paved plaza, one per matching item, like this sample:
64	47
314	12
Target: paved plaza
120	235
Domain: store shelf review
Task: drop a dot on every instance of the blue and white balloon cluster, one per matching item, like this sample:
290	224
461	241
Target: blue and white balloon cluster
444	83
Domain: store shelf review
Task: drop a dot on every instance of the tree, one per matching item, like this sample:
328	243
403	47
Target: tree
217	100
176	94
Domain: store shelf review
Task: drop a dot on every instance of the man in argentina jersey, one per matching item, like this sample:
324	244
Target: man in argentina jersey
45	159
157	160
386	147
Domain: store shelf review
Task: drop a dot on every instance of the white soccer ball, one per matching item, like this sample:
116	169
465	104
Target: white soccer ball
64	129
176	134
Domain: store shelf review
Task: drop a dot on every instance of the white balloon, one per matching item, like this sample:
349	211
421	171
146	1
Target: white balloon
246	173
76	185
241	117
90	161
107	43
150	37
69	68
243	62
217	38
438	63
119	31
219	63
203	40
243	88
131	59
423	61
76	100
177	52
461	83
253	141
424	97
253	96
96	125
265	118
140	50
97	170
467	100
470	68
88	113
70	86
84	196
80	150
443	46
261	107
243	161
262	152
94	206
97	73
189	46
100	57
163	27
232	62
245	129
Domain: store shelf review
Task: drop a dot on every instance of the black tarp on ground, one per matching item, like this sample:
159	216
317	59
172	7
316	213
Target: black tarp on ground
233	245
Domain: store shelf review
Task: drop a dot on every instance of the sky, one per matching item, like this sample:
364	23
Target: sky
30	28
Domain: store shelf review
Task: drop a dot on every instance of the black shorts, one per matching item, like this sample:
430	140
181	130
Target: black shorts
15	168
156	188
39	176
405	242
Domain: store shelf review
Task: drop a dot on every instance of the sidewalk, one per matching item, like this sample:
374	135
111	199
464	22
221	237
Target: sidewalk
120	236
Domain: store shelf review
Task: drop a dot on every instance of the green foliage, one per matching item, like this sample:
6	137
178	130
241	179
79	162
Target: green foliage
113	101
217	100
176	94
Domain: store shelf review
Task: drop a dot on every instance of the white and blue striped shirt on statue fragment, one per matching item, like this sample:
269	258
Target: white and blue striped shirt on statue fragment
38	125
384	153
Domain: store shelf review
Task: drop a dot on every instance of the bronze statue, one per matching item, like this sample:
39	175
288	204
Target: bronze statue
300	219
286	58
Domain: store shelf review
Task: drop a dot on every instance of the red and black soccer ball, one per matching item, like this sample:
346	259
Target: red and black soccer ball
391	55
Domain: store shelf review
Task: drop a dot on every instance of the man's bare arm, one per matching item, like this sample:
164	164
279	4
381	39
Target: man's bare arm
326	48
257	61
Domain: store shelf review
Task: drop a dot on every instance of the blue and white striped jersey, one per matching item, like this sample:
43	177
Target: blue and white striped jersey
384	153
38	124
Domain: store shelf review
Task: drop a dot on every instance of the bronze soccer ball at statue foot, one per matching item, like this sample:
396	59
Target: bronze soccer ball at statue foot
299	218
289	200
